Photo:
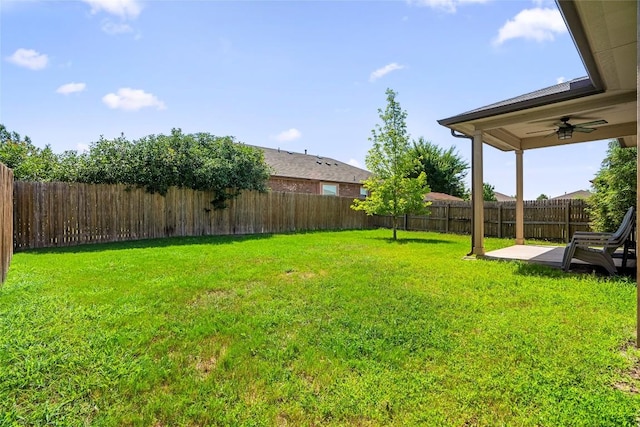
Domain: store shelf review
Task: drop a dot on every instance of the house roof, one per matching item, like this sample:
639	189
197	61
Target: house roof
580	194
434	195
289	164
605	33
503	197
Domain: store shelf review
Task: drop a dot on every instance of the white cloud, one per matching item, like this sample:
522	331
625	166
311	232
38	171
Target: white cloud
446	5
380	72
536	24
354	162
560	80
68	88
113	28
288	135
29	58
125	9
82	148
132	100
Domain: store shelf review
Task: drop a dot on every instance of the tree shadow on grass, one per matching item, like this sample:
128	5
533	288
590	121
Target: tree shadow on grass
404	241
150	243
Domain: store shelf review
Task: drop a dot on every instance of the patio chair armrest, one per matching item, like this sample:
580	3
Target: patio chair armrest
592	233
590	239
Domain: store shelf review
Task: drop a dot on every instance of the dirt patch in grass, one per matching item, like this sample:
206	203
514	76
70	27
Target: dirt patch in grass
630	382
213	352
211	296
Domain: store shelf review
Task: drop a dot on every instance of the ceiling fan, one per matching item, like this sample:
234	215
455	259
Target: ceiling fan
565	129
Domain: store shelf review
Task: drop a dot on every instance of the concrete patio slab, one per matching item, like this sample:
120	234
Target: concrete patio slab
547	255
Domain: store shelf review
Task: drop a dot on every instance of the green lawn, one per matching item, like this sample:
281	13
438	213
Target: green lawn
333	328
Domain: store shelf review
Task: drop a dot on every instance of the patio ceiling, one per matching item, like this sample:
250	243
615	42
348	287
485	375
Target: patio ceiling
605	34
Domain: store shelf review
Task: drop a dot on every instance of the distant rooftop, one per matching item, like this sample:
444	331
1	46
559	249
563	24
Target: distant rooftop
290	164
503	197
580	194
434	195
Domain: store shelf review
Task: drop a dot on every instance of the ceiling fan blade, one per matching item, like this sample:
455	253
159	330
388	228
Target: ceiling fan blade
538	131
593	123
581	129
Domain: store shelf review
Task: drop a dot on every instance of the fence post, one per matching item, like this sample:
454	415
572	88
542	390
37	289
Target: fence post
446	219
567	220
500	220
406	221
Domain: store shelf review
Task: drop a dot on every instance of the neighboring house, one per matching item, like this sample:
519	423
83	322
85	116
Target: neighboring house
435	196
311	174
580	194
503	197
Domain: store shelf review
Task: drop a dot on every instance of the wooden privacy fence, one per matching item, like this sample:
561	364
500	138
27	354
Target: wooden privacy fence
545	219
6	219
69	214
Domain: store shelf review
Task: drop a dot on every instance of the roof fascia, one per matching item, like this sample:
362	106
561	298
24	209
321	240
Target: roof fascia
571	17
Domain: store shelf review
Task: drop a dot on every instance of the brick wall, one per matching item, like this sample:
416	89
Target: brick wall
350	190
294	185
307	186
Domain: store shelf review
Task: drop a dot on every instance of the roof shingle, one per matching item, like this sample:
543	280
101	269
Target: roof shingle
308	166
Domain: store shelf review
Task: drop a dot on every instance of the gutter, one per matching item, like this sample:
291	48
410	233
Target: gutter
461	135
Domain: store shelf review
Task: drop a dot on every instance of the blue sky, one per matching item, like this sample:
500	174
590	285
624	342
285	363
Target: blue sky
291	74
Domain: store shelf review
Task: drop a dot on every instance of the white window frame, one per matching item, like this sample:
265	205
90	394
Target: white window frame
332	184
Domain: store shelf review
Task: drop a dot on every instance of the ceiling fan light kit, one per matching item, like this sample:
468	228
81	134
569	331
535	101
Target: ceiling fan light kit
565	133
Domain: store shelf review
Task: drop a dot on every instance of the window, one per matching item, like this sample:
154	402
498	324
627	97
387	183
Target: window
363	192
329	189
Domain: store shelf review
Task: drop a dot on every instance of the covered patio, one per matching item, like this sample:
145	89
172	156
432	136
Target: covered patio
600	106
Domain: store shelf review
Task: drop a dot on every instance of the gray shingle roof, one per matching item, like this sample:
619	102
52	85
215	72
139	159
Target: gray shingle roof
561	92
308	166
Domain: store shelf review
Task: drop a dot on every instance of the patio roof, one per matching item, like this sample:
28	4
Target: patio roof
605	33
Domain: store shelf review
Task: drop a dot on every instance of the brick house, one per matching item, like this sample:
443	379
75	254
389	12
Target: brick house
312	174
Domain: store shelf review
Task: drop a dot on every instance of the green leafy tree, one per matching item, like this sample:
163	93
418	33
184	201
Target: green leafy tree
108	161
542	197
392	190
199	161
488	193
614	187
29	163
445	169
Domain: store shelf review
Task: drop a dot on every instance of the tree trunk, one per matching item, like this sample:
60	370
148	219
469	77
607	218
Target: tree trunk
395	228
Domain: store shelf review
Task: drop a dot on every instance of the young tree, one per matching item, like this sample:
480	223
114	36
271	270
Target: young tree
542	197
614	187
488	193
392	190
445	169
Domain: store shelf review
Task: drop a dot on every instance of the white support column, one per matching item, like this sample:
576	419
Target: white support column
519	199
477	195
